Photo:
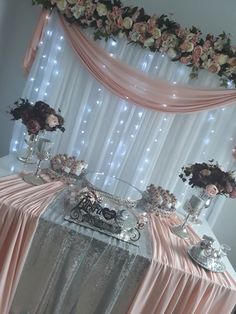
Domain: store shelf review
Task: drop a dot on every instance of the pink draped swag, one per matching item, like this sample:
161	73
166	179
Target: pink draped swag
175	284
20	207
133	85
33	45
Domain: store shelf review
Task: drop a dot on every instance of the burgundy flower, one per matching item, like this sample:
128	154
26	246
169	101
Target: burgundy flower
38	116
33	127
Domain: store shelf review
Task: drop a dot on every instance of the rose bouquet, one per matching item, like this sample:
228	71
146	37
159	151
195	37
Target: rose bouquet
210	177
37	117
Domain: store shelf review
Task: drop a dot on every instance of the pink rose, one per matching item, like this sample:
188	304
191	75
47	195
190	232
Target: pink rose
207	44
197	52
211	190
116	12
195	38
187	46
158	43
214	68
232	194
229	187
232	61
52	121
186	60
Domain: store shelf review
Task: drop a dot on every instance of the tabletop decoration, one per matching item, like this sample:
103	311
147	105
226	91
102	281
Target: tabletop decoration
64	168
208	256
64	163
90	208
209	180
158	200
113	213
37	118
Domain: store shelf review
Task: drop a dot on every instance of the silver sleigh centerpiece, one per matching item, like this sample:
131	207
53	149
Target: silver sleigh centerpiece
93	207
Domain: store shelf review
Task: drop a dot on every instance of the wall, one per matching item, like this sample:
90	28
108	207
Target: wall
17	20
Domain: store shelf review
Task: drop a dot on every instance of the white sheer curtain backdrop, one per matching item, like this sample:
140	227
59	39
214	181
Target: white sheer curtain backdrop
119	138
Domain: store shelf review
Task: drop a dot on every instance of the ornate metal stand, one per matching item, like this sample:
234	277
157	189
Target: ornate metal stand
181	230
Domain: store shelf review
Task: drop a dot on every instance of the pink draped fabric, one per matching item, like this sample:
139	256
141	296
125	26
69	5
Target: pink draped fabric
136	86
20	207
33	45
174	284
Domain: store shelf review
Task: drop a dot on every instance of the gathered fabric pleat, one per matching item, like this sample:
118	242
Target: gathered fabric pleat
20	208
174	284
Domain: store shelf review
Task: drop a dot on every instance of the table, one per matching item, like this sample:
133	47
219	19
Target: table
72	269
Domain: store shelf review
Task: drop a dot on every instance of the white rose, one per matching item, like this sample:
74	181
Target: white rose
171	53
148	42
156	33
222	59
61	4
134	36
52	121
78	11
127	22
101	9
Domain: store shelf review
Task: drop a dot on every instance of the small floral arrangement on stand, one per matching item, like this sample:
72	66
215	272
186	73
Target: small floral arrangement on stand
37	117
211	178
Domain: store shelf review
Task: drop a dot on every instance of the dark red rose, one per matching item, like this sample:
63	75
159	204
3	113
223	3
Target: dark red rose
33	127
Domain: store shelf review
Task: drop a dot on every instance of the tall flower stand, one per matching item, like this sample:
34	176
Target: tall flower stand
28	155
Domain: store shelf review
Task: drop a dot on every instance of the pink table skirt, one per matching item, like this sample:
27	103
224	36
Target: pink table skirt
172	285
20	207
176	285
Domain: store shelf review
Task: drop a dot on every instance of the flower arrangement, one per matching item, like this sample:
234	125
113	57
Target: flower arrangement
210	177
110	18
37	117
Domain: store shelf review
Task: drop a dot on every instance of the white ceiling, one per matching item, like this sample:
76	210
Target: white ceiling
210	16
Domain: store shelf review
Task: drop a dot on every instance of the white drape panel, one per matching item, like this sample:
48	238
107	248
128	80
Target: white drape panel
119	138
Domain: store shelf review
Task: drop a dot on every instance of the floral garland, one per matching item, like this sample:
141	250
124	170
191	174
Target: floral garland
110	18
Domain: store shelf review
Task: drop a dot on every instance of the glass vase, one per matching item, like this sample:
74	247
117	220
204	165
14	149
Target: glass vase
199	201
28	155
193	207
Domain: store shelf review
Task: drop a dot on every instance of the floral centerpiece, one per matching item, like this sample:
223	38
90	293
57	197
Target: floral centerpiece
211	178
37	117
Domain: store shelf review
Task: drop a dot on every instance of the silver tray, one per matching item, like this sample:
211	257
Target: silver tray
215	266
